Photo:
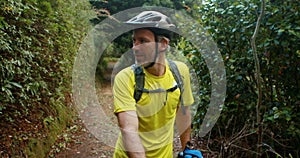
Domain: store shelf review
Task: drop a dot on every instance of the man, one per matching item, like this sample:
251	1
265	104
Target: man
147	124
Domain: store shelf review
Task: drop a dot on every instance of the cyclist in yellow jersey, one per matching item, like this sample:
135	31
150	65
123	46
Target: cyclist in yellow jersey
147	125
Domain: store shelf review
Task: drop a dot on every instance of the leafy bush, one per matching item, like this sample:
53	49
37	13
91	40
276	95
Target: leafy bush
39	40
231	23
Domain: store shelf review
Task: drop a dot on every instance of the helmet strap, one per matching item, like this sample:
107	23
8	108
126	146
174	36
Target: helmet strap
156	54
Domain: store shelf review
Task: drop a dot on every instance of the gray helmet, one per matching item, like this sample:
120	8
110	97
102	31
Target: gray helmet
155	21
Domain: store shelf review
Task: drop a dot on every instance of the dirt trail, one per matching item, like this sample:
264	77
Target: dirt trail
77	141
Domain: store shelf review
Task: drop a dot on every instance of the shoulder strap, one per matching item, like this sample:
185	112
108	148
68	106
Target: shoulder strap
139	82
178	79
140	79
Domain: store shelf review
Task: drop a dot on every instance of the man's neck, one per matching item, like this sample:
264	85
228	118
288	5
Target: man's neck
159	68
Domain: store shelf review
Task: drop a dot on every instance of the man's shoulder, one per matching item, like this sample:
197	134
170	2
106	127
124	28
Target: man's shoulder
179	63
125	73
182	67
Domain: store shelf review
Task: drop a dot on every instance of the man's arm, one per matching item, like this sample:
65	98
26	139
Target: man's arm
183	122
128	122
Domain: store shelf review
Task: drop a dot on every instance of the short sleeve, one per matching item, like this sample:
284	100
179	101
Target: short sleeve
123	89
187	95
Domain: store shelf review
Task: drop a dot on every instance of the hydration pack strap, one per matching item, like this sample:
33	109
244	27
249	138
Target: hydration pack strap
178	79
140	81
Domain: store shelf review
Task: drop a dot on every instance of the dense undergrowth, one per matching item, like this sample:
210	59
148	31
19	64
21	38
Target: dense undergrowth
231	24
39	40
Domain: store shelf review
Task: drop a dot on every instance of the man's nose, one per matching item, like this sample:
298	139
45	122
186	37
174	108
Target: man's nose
135	45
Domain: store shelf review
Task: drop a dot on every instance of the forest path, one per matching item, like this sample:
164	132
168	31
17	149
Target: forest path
77	141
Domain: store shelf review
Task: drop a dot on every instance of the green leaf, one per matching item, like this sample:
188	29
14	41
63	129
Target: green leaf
16	84
280	31
294	33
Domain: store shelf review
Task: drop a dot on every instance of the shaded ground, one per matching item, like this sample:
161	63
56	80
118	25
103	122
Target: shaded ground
78	141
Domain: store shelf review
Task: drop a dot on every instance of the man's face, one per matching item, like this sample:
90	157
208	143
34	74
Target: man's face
143	46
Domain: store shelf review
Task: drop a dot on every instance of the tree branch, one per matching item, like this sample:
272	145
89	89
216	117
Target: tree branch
258	80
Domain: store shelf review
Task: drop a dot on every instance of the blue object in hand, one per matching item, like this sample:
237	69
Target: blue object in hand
189	153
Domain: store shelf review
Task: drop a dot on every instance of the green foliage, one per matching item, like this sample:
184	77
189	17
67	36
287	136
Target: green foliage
231	23
39	40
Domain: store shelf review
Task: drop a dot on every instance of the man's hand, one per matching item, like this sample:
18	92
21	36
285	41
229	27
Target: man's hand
128	122
189	153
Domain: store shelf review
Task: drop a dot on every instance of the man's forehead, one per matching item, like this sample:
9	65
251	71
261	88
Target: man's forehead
143	31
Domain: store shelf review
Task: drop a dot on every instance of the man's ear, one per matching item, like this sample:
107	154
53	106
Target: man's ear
164	44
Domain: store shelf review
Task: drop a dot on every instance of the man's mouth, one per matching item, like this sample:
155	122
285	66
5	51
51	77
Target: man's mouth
138	55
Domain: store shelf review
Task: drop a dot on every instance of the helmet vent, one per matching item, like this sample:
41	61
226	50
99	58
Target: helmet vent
154	19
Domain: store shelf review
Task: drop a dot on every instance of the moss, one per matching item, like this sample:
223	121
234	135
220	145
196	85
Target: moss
39	147
35	148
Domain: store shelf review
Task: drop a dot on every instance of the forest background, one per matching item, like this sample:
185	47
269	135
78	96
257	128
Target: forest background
39	41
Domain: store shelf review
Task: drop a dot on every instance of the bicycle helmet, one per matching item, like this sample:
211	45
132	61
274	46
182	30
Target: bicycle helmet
155	21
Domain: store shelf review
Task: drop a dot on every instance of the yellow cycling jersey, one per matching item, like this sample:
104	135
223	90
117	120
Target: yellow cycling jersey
156	111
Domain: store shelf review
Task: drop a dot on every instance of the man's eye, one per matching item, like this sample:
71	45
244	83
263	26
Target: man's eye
139	41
